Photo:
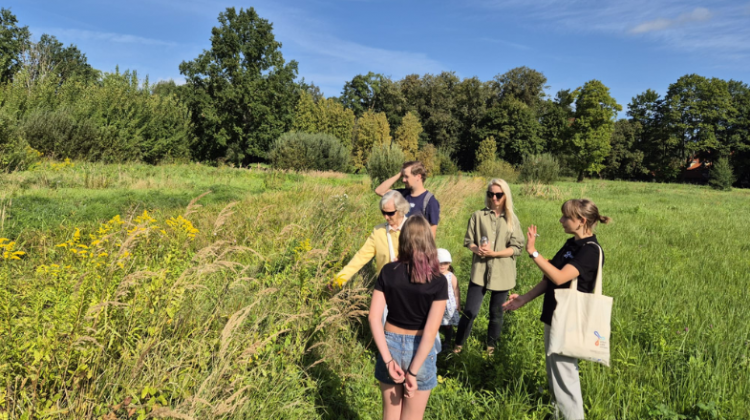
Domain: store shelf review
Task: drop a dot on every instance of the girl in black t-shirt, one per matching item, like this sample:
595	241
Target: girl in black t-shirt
416	294
579	257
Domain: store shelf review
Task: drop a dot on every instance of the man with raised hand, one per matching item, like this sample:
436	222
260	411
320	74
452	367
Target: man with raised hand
421	201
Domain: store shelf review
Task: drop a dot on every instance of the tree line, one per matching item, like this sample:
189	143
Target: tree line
240	96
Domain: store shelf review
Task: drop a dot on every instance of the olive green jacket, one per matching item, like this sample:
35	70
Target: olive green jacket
494	273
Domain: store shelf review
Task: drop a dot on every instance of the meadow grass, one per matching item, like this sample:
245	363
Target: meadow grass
218	307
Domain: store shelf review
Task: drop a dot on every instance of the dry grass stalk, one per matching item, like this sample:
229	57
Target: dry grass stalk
193	206
288	229
139	364
127	246
229	405
133	278
539	190
164	412
236	320
326	174
250	351
94	310
224	215
238	248
208	251
87	339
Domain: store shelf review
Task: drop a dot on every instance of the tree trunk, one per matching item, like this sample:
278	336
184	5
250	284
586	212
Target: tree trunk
580	175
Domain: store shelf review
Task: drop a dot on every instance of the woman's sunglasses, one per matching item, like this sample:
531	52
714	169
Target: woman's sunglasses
490	194
388	213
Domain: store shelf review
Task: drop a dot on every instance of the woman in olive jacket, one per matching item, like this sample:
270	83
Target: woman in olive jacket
493	265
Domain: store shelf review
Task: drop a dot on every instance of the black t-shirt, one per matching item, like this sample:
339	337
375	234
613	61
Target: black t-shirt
583	257
409	303
431	213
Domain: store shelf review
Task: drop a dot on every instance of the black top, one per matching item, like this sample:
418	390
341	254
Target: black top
583	257
409	303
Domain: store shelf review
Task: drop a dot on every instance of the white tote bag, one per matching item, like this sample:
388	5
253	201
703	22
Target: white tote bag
581	322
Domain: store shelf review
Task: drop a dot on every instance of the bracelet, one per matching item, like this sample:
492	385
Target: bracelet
410	373
387	363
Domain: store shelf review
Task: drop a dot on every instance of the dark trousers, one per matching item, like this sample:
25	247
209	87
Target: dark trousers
470	311
447	331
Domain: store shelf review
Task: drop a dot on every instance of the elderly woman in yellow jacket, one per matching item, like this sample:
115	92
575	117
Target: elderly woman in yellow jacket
383	242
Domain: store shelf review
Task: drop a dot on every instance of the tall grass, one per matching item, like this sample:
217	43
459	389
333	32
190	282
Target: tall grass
215	306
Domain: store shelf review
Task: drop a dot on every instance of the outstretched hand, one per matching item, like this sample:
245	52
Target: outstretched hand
514	302
531	239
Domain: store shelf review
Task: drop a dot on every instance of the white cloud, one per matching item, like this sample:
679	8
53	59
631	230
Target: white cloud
699	14
83	35
685	25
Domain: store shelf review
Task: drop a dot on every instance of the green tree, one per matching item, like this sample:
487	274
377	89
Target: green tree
433	98
487	150
522	83
594	121
516	128
722	176
472	96
50	57
371	130
336	120
428	155
305	118
698	112
661	149
360	92
390	100
625	160
241	92
555	117
407	135
738	132
14	41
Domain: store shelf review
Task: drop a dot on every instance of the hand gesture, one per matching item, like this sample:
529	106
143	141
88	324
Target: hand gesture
531	239
514	302
395	372
410	386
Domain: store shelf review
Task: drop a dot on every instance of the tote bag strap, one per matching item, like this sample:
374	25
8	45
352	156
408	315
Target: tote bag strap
598	284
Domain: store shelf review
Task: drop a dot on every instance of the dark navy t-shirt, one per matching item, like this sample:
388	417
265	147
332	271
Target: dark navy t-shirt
432	213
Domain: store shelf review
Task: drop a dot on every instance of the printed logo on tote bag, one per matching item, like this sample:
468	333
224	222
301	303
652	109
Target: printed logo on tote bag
600	341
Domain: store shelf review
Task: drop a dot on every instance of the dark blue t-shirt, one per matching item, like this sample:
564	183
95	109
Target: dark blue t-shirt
432	213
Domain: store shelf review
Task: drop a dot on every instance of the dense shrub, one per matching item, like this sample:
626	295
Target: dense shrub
490	166
116	119
542	168
58	134
428	155
497	168
15	152
722	176
447	165
305	151
385	161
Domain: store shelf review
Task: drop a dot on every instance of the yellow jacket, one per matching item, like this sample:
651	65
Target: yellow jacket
377	247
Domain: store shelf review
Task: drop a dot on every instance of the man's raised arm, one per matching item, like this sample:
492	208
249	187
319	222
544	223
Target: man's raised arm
387	184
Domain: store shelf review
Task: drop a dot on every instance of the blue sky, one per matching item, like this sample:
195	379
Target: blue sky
630	45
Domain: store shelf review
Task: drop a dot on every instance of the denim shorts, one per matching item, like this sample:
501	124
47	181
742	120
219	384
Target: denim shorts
403	348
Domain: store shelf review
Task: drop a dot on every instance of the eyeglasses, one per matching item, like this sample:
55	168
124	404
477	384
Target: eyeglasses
388	213
490	194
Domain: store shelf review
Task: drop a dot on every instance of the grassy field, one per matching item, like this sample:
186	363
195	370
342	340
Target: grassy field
134	295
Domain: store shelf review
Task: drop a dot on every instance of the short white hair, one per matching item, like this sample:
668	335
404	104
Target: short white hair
402	206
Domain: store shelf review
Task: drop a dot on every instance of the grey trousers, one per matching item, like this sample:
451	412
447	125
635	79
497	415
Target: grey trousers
564	383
